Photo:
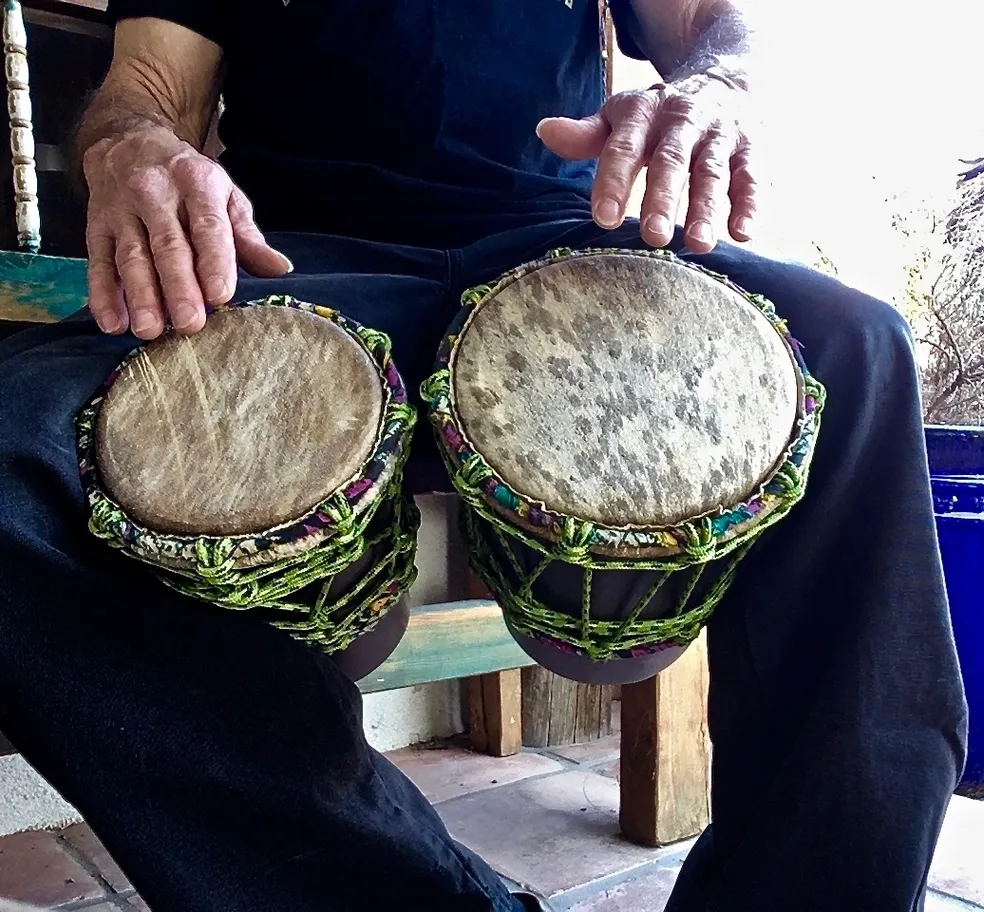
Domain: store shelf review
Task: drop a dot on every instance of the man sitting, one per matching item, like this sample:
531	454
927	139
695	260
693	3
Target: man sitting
395	154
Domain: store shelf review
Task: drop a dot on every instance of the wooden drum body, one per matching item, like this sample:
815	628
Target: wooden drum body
622	426
257	465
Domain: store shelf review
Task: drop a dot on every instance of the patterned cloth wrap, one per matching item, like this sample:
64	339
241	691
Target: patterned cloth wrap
514	537
365	527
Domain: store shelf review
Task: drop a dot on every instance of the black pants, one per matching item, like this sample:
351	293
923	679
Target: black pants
225	767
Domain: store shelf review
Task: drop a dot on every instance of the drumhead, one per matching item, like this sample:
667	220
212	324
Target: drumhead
242	427
624	389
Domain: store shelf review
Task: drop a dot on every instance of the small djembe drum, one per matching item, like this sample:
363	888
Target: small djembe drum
256	465
622	426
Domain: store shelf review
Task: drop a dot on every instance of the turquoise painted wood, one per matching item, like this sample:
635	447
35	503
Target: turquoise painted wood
40	289
448	641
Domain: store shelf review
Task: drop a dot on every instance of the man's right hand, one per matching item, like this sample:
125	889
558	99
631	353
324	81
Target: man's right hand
166	230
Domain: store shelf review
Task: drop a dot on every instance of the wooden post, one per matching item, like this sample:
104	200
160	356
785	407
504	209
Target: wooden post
494	703
558	711
665	763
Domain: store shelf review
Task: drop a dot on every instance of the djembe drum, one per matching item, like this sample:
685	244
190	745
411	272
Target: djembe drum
256	466
622	426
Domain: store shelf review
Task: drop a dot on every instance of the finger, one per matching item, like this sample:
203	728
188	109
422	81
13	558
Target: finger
669	169
622	159
710	174
105	295
743	192
175	265
135	265
255	255
210	230
574	139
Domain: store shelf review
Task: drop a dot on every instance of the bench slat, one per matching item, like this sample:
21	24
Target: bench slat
40	289
447	641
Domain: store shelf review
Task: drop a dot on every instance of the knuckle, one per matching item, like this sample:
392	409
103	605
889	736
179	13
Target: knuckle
680	108
198	173
241	206
168	244
671	155
146	185
130	254
708	169
209	224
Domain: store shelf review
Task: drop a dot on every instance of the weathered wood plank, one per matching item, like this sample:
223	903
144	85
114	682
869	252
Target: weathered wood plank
494	713
41	289
665	770
558	712
448	641
494	701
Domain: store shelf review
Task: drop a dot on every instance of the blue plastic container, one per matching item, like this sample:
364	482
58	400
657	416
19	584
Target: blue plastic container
956	462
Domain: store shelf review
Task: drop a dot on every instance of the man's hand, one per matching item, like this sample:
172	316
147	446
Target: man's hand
688	129
166	228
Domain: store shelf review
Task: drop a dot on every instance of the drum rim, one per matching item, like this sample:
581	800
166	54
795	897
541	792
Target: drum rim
360	495
719	530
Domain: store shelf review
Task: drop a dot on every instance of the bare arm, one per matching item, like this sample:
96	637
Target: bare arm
166	225
683	38
162	75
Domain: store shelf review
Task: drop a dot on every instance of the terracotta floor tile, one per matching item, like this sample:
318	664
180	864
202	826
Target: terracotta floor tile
957	869
552	834
84	841
449	772
648	893
35	868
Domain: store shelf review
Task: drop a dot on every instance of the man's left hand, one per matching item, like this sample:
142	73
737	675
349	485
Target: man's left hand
687	129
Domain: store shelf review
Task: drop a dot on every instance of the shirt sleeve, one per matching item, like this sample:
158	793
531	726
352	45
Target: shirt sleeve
206	17
626	26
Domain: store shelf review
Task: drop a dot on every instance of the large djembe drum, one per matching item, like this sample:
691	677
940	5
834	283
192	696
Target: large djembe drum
622	426
256	466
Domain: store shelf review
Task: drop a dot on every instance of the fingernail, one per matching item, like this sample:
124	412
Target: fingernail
608	213
701	232
142	322
743	226
290	265
110	325
658	226
185	315
215	290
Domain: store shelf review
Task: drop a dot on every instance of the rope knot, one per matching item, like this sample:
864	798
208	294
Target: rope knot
215	563
574	546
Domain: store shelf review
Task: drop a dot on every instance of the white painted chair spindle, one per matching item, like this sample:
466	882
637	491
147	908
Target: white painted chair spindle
27	213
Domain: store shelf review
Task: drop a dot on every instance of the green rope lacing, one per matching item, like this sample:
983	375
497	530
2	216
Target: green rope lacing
217	581
598	639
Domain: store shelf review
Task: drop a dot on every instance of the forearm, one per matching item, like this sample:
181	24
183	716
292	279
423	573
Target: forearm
702	37
129	101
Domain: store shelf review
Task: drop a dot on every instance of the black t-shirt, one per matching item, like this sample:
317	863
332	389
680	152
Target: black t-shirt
363	116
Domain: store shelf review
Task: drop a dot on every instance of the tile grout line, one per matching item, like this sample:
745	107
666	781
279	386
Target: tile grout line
90	868
562	902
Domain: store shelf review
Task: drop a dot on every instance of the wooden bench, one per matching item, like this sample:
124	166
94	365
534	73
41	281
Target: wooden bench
664	778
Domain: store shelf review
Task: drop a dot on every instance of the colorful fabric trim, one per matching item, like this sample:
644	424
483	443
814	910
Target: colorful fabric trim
729	530
328	539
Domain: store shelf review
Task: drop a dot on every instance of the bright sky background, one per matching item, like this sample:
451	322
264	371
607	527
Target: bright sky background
866	100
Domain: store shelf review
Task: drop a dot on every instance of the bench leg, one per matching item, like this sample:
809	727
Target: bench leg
495	710
495	713
665	762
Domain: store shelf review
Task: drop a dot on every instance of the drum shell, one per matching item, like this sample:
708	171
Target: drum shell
614	594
